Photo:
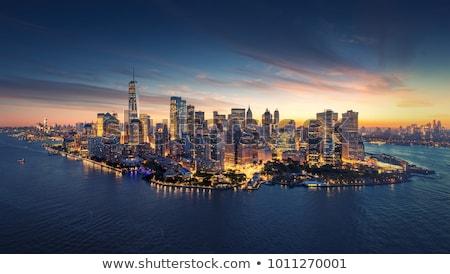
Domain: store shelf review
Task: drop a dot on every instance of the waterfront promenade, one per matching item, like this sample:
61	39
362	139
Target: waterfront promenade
256	181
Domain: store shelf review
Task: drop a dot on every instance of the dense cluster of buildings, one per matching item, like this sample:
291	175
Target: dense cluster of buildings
220	143
432	133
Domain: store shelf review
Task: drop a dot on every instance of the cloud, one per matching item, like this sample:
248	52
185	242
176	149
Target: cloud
258	84
197	98
206	79
32	92
413	103
143	55
180	90
65	73
339	80
26	91
42	94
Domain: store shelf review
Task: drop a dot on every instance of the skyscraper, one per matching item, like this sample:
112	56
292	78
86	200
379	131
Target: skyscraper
111	126
100	117
313	145
218	120
217	148
352	147
327	121
46	125
191	121
249	114
108	126
249	118
200	122
136	135
178	117
276	117
161	139
266	124
130	114
132	100
145	119
126	127
276	122
238	116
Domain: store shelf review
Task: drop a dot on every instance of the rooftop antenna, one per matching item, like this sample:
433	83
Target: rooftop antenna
133	72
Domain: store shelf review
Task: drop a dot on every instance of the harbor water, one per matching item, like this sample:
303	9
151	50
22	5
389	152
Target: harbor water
52	204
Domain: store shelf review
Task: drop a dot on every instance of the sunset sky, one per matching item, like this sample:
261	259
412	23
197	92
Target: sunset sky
67	61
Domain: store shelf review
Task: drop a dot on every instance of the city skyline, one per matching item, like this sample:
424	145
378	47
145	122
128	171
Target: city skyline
384	59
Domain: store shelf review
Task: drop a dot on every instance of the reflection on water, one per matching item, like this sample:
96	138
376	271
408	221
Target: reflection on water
169	192
57	205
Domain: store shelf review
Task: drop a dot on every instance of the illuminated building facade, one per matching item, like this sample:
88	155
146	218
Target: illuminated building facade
136	135
178	117
313	144
100	117
131	114
191	121
146	127
266	124
161	139
327	121
107	125
352	146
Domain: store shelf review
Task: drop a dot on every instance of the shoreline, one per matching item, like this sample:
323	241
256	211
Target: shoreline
430	144
52	151
241	186
103	165
258	185
178	185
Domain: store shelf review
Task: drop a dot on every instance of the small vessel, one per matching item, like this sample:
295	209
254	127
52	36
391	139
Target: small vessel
21	161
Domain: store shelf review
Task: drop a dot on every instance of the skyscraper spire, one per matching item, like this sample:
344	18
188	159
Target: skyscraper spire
132	100
249	115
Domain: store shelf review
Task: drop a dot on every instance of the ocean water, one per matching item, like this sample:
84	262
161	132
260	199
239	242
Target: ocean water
51	204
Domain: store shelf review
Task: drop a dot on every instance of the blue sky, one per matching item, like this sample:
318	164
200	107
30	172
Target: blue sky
388	60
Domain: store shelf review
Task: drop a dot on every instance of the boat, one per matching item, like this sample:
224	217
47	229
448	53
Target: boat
21	161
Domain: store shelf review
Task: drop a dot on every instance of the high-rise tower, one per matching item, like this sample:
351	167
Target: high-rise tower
237	116
352	146
276	121
100	120
276	117
327	121
249	118
131	127
132	100
178	117
266	124
145	120
190	120
313	144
